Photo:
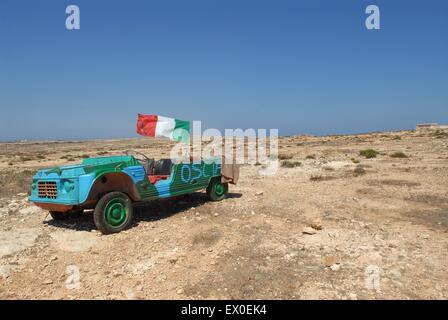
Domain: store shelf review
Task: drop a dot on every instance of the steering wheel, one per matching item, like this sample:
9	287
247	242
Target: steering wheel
138	156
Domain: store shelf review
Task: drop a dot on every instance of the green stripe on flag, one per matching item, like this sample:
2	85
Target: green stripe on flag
181	131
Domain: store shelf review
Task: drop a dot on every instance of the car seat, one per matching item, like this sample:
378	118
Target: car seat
163	167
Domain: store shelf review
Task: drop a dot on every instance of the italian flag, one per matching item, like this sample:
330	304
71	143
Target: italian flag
158	126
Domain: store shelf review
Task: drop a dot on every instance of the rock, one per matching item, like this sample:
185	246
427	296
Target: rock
180	291
333	234
216	214
13	207
75	241
16	240
5	270
331	260
3	211
173	260
335	267
259	193
316	224
48	281
359	170
308	230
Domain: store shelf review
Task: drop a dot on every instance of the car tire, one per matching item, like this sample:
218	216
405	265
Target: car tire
113	213
217	190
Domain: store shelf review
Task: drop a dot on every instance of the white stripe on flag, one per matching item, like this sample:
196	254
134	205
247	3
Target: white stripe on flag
165	127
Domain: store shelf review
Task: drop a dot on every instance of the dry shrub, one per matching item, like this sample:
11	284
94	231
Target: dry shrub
290	164
368	153
359	170
398	154
284	156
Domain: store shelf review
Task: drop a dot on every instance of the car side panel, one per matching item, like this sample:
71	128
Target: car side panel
185	178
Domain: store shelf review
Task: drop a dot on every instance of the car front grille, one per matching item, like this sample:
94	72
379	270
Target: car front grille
47	189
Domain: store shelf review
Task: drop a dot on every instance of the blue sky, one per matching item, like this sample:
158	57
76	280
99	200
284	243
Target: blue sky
300	66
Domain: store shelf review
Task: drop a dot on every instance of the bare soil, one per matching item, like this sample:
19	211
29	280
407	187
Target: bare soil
314	230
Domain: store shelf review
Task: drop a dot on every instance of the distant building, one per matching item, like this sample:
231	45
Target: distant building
428	126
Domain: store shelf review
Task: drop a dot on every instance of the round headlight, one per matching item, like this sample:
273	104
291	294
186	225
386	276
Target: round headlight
68	185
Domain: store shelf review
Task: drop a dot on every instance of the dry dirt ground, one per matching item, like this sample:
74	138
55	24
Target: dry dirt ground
380	227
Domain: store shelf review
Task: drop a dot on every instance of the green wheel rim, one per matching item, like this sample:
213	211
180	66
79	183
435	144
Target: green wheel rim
219	189
116	212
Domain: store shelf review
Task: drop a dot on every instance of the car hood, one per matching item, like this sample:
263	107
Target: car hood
87	166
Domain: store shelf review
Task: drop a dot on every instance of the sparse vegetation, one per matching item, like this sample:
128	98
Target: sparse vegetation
13	181
310	156
439	134
368	153
399	154
284	156
355	161
290	164
359	170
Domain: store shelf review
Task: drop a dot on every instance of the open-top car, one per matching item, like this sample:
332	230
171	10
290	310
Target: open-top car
110	185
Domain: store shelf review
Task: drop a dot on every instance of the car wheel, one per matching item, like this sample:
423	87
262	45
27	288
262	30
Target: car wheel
113	213
217	190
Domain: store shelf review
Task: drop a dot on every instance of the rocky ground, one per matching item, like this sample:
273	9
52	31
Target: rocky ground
331	224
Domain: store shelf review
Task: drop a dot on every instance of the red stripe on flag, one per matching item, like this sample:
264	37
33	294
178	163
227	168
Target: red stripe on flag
146	125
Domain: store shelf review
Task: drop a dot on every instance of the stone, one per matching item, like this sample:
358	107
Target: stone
75	241
335	267
316	224
180	291
308	230
331	260
5	271
16	240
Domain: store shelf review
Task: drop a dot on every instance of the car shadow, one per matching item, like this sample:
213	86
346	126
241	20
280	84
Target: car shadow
161	209
144	211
